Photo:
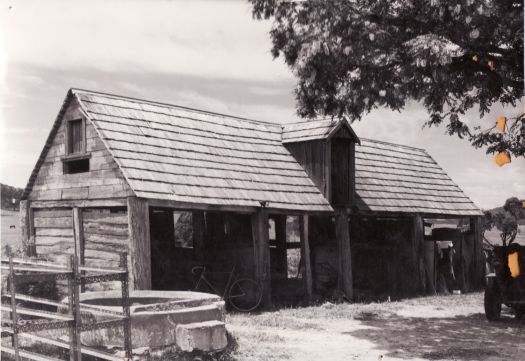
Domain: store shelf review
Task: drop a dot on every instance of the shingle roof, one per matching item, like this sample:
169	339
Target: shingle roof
396	178
312	130
174	153
180	154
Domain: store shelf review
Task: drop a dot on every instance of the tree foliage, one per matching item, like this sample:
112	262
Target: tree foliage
506	221
351	56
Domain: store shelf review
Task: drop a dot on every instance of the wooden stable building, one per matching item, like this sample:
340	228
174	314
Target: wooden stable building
177	187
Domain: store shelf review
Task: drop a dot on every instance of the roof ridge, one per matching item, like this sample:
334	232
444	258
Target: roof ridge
259	122
310	121
395	144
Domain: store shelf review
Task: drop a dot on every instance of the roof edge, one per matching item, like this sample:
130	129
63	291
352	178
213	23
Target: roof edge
47	144
116	96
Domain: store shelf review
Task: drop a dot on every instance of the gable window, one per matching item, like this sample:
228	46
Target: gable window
75	136
76	159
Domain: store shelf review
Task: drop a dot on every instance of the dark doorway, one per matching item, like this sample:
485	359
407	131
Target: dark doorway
162	248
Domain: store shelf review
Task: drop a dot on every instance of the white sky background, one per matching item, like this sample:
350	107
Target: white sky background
205	54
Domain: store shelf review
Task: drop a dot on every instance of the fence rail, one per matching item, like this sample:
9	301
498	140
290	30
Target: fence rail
33	270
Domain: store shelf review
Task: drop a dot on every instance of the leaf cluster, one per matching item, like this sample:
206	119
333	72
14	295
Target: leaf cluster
351	56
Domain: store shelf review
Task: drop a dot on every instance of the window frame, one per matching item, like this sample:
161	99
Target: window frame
68	141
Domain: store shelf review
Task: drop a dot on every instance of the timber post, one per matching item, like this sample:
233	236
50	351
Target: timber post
342	232
139	243
78	234
305	255
261	249
479	257
27	227
418	237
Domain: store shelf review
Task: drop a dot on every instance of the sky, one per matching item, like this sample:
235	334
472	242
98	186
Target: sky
209	55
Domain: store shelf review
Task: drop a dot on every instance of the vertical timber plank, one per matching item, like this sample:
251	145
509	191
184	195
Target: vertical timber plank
305	255
78	234
418	237
261	249
139	243
328	170
24	225
342	232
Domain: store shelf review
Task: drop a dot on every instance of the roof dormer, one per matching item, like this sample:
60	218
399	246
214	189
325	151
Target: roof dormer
325	149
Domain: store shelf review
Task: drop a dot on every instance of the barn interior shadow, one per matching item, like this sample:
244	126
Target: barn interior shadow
458	338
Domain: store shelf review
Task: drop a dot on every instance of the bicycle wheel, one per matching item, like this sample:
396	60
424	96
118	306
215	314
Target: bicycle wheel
245	295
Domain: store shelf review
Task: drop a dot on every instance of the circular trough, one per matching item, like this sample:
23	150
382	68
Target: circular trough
154	315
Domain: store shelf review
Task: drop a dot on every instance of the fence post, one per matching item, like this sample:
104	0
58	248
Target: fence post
14	316
125	305
75	353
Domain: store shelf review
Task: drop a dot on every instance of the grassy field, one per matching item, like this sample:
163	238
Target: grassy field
428	328
9	235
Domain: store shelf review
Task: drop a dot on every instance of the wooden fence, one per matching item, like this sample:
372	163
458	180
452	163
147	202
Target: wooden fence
23	271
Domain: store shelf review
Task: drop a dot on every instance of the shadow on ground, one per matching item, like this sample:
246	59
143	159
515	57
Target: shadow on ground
459	338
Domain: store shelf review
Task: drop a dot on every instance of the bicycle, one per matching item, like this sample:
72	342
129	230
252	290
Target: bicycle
243	294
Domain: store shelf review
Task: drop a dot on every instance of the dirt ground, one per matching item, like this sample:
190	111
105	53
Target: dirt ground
430	328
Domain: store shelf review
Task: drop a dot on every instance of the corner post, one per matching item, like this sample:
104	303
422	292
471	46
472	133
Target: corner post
342	232
305	255
139	243
261	249
27	227
418	237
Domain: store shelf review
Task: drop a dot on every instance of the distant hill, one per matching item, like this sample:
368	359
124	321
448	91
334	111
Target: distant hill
7	194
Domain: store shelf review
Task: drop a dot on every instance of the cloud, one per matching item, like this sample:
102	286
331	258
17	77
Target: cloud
212	39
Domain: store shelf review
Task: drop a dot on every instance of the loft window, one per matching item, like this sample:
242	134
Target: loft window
75	136
76	159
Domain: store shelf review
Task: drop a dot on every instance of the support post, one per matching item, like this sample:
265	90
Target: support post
305	255
418	237
342	232
199	234
139	243
14	316
261	249
479	257
27	228
280	241
78	234
124	285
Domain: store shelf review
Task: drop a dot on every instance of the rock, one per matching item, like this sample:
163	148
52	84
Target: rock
202	336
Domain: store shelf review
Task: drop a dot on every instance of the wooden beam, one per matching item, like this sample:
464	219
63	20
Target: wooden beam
305	255
418	237
261	249
78	234
83	203
342	233
139	243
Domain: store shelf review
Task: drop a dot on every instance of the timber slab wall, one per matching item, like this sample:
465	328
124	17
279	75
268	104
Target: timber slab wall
104	180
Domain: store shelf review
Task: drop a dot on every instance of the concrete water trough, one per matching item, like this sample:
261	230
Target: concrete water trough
155	315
